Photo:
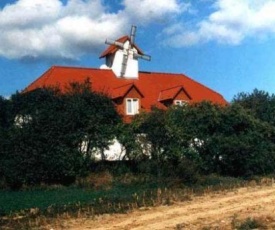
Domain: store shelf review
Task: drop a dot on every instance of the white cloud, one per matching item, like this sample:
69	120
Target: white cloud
231	22
27	13
175	33
151	10
52	28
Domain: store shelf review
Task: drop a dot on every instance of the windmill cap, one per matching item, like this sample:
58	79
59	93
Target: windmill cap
112	48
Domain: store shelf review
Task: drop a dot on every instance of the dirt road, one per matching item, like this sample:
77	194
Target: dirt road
211	211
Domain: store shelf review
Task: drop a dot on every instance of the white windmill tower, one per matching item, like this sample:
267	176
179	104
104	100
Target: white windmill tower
122	56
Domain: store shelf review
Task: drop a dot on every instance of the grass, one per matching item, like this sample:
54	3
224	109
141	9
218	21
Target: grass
99	194
88	198
247	224
250	223
16	201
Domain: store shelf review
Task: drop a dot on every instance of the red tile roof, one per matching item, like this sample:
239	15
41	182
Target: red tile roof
171	93
121	91
152	85
112	48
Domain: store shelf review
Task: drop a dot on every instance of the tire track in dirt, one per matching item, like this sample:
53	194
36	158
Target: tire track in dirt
201	213
214	209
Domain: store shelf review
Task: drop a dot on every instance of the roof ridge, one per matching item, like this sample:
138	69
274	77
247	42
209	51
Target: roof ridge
78	67
154	72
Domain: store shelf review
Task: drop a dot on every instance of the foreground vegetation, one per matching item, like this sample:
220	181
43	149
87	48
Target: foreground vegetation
46	170
98	194
43	132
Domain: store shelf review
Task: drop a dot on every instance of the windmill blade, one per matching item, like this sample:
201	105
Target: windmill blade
114	43
133	35
124	65
144	56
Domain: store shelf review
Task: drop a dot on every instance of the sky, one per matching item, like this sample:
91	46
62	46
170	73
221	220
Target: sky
227	45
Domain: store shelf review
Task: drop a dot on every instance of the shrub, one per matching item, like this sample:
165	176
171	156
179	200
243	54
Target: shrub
248	224
45	144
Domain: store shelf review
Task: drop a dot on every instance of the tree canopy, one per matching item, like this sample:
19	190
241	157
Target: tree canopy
45	142
259	103
51	136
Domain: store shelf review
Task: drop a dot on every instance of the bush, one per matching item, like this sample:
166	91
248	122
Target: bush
243	145
248	224
259	104
45	142
225	140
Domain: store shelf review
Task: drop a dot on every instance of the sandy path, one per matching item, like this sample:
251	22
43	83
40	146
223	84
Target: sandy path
215	210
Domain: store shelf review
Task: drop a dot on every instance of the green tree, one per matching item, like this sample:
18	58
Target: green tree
131	141
46	142
4	123
4	112
191	127
219	139
93	117
169	143
259	103
153	136
244	145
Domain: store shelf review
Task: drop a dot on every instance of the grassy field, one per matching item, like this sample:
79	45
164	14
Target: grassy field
97	195
65	198
15	201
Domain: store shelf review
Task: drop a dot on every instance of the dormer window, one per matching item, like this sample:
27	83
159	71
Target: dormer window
128	99
132	106
180	102
174	96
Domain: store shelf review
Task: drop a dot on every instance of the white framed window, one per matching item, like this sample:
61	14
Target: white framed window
132	106
180	102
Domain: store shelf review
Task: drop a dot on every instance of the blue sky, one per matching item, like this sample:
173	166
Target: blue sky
228	45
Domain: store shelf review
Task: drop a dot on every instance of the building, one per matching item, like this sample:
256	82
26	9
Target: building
131	90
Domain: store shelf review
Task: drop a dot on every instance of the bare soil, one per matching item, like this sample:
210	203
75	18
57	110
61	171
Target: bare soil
218	210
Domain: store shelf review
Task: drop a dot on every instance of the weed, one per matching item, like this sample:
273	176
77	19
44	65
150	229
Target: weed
179	227
206	228
100	180
247	224
251	223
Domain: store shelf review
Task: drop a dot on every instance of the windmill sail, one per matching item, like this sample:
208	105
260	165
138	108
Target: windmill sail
114	43
144	56
133	35
124	65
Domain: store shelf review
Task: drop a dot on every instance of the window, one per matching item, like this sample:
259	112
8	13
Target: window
180	102
132	106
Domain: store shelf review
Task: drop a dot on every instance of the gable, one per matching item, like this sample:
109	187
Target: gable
182	95
174	93
134	93
126	90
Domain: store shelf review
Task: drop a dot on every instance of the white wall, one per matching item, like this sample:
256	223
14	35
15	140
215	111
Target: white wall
115	152
132	63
